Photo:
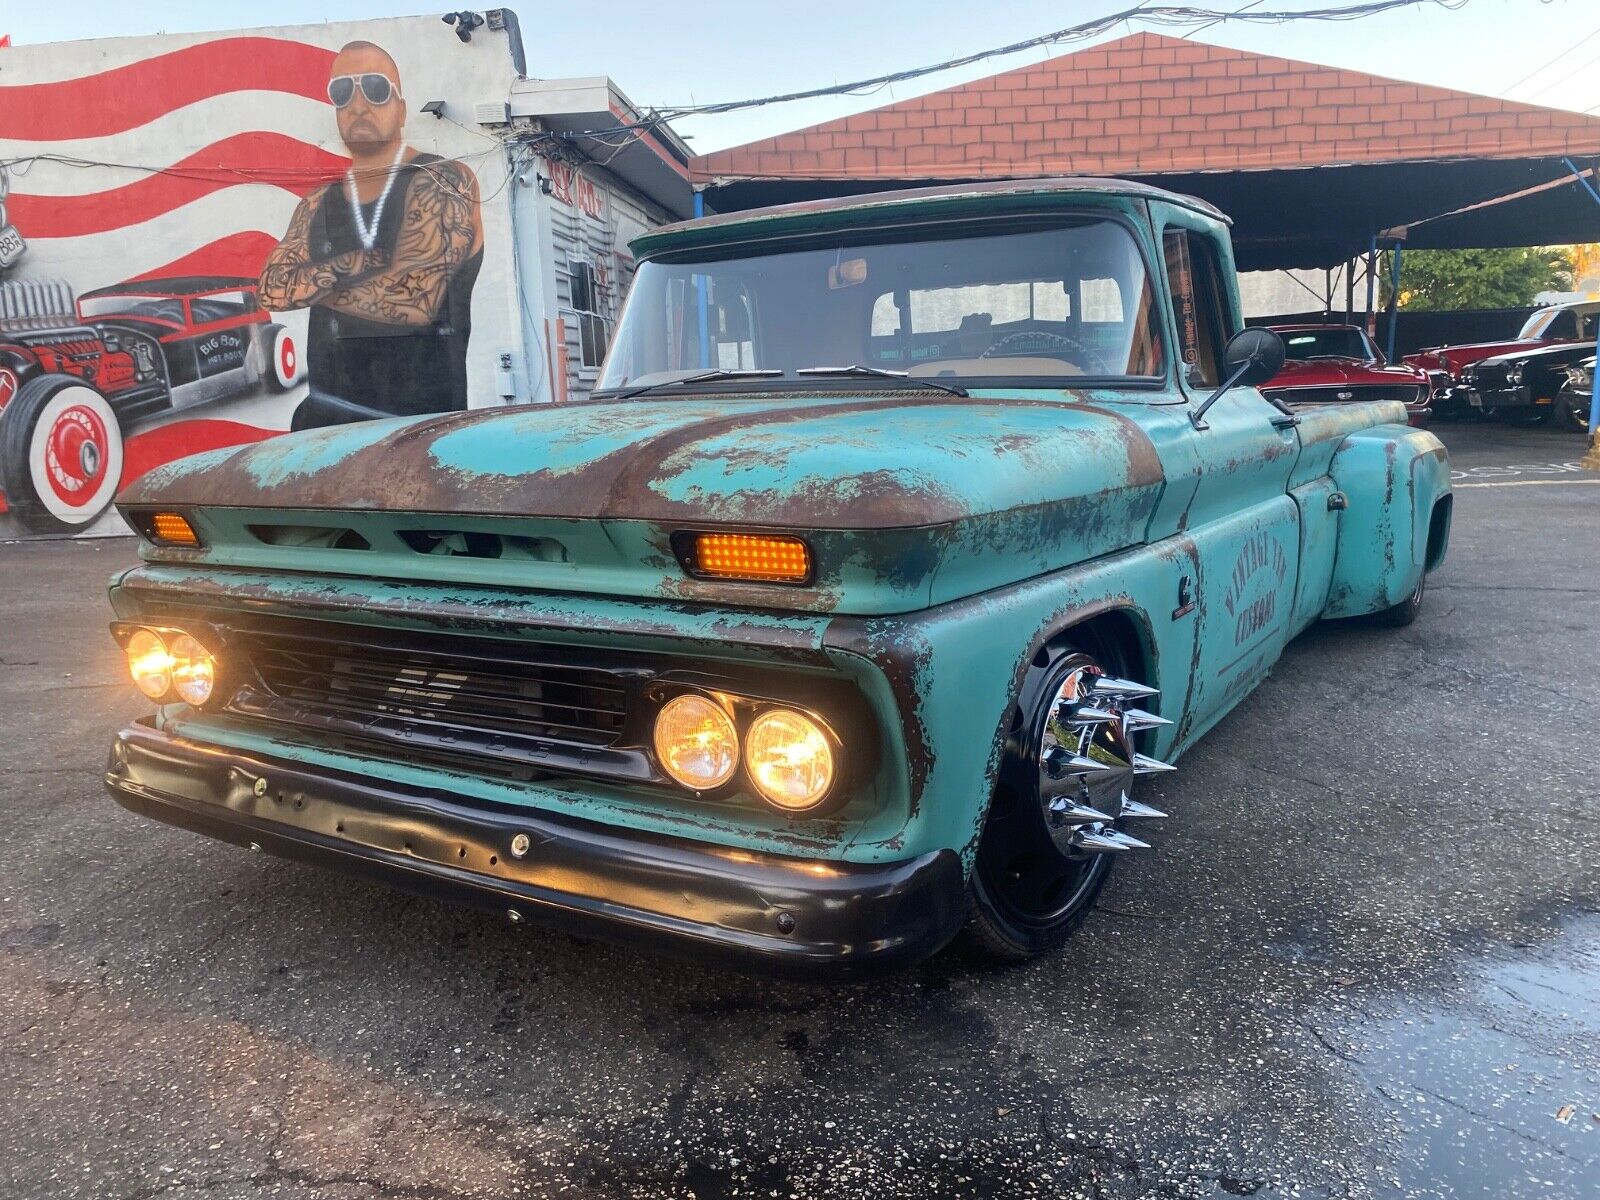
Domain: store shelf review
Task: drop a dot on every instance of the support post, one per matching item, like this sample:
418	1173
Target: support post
1394	302
1591	460
700	293
1372	283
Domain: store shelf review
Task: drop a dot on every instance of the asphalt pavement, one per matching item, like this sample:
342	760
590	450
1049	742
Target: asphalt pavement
1363	959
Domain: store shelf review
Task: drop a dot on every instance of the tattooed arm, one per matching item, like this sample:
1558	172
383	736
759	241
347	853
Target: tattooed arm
441	228
291	278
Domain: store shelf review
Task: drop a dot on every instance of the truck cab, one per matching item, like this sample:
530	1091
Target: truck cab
904	538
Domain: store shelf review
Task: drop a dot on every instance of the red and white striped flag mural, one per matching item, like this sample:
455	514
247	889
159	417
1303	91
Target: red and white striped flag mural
112	171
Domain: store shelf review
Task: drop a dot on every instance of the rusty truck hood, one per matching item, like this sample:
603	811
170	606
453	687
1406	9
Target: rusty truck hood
906	500
855	462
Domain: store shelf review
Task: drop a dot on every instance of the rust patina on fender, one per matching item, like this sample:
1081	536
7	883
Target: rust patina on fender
440	644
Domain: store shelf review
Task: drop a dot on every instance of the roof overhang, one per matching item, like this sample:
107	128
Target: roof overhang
597	120
1321	217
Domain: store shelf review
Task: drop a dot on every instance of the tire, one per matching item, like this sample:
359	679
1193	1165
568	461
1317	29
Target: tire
1572	411
60	454
285	365
1404	613
1030	886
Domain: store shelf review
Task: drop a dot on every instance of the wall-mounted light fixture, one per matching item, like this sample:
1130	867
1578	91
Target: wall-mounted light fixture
465	22
435	108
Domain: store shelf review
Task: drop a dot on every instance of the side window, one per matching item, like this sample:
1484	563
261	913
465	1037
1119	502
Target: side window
1196	289
732	326
593	327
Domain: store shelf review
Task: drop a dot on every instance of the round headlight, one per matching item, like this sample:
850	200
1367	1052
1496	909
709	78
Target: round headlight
790	759
194	672
150	663
696	742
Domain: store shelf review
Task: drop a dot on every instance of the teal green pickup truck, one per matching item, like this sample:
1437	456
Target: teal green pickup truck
903	537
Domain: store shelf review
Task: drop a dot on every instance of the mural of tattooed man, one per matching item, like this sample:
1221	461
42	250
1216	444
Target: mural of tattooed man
385	260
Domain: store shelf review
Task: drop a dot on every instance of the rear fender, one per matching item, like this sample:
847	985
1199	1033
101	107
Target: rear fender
1393	477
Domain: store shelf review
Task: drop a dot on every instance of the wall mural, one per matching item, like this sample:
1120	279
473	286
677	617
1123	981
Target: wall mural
206	245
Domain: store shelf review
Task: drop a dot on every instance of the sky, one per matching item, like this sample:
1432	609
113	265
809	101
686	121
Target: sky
1540	51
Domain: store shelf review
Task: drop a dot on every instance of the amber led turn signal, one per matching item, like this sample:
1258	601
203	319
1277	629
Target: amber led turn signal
172	529
763	558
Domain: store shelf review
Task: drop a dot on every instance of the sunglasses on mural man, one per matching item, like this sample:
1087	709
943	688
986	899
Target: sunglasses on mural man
375	87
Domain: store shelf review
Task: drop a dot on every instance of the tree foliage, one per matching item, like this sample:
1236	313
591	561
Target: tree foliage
1447	280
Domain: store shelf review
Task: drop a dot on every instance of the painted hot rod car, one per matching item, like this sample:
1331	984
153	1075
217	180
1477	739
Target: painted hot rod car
75	375
904	538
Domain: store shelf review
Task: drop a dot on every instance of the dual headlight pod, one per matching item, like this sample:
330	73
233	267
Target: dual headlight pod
168	664
788	755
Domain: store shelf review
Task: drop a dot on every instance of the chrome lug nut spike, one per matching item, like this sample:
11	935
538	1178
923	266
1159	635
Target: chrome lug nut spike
1082	712
1081	764
1135	719
1143	764
1110	686
1089	714
1075	812
1134	810
1106	841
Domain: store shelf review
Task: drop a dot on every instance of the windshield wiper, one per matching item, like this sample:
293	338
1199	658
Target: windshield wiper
880	373
700	377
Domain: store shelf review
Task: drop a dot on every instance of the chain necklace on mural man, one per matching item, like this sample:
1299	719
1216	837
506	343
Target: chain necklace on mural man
369	234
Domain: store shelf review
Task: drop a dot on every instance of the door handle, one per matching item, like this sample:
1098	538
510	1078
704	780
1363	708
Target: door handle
1286	420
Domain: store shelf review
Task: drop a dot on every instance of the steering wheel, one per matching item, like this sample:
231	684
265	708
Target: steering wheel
1036	341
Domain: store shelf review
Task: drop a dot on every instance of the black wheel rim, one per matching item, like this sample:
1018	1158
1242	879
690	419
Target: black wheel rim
1026	867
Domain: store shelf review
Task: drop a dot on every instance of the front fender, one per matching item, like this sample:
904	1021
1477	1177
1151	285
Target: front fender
952	675
1393	478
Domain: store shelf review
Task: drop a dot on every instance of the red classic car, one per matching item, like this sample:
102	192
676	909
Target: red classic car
1338	364
1546	327
74	375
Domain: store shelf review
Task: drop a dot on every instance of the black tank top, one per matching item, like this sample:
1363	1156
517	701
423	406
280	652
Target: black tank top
403	370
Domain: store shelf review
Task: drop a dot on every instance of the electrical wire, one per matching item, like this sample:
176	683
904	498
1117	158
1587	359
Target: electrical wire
1552	62
1560	79
1164	15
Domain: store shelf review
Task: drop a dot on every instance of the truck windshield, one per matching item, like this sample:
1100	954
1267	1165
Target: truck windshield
1050	306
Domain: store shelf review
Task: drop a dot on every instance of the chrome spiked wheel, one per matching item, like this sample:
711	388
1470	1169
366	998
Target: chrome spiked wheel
1065	798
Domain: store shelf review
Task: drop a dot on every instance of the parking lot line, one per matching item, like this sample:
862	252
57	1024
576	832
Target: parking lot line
1522	483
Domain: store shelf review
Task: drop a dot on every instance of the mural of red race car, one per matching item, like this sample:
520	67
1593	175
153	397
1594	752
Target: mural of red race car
76	375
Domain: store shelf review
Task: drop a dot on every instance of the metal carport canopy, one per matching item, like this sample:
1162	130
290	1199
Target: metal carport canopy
1311	162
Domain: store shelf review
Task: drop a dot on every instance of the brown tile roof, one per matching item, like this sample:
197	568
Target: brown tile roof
1148	104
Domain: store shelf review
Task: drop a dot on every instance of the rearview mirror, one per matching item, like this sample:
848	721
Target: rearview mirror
1252	357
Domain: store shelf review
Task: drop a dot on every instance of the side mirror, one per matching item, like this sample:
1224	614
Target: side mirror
1252	357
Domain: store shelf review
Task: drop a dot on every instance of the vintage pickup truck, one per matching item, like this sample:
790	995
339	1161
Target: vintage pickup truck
906	535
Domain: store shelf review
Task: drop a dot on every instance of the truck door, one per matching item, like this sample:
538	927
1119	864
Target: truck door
1241	519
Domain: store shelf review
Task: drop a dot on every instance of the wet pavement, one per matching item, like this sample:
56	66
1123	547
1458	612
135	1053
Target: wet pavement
1363	961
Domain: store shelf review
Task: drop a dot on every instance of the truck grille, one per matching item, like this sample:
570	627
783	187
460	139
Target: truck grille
477	697
1352	394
